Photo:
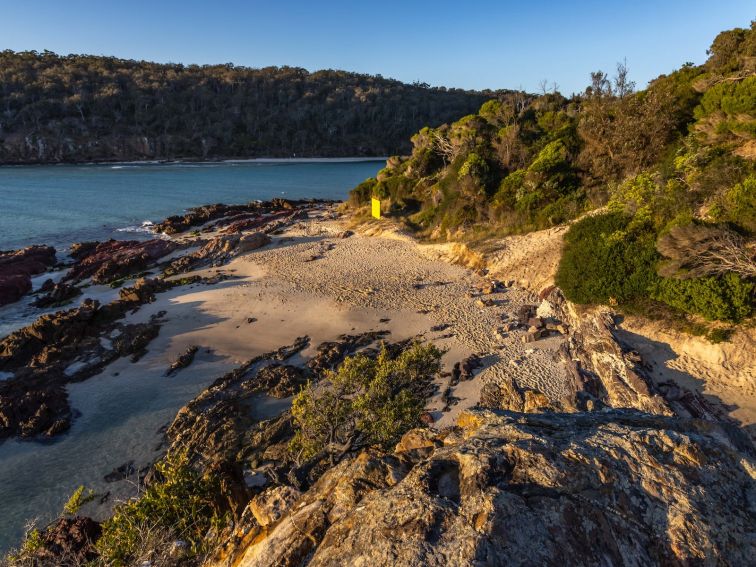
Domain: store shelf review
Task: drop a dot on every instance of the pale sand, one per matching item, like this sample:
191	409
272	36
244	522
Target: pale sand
725	373
380	273
354	283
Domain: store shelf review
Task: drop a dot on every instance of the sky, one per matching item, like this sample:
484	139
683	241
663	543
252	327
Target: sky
464	44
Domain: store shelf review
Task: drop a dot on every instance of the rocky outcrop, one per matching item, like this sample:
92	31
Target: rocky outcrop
599	371
49	339
67	542
253	241
603	488
234	218
212	426
57	295
63	347
201	215
115	259
281	380
18	266
331	353
271	221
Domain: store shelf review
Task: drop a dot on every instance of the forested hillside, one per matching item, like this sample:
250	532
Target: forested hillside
674	164
79	108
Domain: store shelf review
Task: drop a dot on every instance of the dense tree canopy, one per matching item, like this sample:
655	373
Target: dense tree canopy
80	107
681	153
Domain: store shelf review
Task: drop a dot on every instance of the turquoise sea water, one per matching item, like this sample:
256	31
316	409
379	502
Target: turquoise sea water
62	204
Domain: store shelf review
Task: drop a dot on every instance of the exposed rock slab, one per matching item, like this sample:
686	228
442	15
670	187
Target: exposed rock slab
114	259
602	488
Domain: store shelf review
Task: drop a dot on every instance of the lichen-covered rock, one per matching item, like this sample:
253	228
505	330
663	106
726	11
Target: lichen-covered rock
618	487
269	506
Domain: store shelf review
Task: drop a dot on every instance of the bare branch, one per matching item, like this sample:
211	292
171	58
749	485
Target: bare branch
695	251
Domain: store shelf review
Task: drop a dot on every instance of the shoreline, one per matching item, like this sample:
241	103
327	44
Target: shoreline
411	295
200	161
313	278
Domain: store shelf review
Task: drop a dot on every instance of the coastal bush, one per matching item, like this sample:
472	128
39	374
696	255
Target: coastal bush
367	401
738	205
26	554
361	194
611	259
607	260
180	505
724	298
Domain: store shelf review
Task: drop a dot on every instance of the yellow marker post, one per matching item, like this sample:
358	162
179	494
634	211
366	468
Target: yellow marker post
376	207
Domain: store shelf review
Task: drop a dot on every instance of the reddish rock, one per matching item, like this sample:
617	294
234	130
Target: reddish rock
18	266
201	215
253	241
115	259
257	221
69	541
79	250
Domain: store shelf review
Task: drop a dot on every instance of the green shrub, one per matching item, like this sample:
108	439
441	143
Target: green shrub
361	194
77	500
182	504
474	166
717	336
366	401
739	204
723	298
605	260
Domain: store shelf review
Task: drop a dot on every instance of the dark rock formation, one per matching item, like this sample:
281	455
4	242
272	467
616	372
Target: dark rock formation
605	488
332	353
63	347
49	339
184	360
281	380
57	295
116	259
67	542
200	215
18	266
235	218
79	250
212	426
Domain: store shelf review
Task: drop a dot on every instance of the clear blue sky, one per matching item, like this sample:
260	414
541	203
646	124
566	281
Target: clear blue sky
468	44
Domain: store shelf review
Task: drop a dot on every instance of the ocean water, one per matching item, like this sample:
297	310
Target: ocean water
119	420
59	205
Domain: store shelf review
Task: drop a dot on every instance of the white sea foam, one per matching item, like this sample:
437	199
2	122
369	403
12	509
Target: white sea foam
146	227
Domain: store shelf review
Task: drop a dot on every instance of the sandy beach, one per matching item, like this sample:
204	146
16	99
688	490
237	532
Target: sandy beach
309	281
318	279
